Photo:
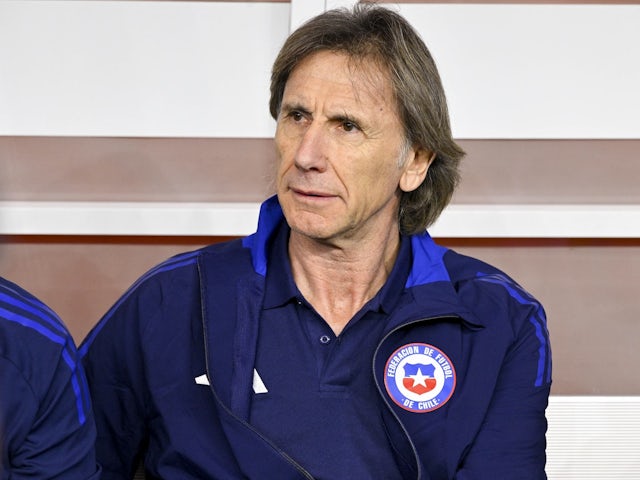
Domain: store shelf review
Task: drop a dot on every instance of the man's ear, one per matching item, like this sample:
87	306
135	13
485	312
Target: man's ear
415	169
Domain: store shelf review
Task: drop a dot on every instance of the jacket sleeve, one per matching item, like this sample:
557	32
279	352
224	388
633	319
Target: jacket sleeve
113	360
511	442
47	427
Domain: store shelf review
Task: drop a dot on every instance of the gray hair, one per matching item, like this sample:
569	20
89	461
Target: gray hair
371	32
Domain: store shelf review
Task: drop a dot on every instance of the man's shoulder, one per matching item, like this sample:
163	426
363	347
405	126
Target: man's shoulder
463	267
485	287
187	263
172	288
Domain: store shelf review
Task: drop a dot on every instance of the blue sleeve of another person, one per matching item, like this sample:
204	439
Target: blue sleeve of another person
47	428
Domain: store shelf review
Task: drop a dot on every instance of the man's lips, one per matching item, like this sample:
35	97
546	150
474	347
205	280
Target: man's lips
311	193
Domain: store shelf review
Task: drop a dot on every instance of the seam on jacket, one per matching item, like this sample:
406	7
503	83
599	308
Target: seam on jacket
537	319
23	309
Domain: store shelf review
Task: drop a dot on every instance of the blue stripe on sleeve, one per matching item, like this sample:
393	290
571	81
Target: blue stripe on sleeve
537	319
75	383
35	308
12	316
26	310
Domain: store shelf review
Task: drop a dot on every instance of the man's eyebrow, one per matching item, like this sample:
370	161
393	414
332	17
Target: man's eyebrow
293	106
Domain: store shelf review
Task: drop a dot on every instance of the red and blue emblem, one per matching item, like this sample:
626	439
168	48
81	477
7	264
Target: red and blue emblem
419	377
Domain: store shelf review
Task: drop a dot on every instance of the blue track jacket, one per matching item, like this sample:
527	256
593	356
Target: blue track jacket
198	313
46	424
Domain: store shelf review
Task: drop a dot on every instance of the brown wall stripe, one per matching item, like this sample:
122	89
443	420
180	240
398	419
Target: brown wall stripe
240	170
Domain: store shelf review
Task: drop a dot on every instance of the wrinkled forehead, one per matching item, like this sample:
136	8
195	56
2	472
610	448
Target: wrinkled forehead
368	75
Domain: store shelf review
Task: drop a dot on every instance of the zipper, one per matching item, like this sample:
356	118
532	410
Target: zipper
386	401
286	457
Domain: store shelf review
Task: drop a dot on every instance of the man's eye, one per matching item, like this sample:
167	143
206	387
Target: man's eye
349	126
296	116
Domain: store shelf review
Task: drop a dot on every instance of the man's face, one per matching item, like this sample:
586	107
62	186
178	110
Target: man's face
339	143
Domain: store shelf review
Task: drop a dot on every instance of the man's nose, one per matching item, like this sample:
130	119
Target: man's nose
311	152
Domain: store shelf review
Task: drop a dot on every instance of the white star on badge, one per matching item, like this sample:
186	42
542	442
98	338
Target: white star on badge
419	379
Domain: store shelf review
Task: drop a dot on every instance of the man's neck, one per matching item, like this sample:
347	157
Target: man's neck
339	280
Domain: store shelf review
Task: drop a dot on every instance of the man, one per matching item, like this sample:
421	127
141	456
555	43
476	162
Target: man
46	424
338	341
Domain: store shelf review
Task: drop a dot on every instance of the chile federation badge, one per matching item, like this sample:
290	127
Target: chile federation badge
419	377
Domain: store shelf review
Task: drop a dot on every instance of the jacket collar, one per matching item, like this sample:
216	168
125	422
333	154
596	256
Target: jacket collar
427	255
268	221
428	280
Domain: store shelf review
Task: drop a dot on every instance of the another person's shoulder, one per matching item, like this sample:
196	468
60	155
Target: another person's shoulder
33	339
26	319
45	413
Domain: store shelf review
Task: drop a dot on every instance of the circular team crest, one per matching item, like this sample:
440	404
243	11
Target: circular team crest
419	377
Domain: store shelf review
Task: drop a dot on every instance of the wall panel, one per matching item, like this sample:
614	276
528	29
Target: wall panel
138	68
74	67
